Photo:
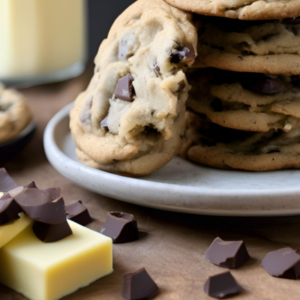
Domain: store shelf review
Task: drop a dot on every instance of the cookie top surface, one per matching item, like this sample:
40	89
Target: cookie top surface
240	9
130	119
246	101
15	114
249	46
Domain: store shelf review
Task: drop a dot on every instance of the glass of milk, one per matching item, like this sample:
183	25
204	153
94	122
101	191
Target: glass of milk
41	40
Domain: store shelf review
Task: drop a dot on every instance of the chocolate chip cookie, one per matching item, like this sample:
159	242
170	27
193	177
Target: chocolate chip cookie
224	148
131	118
271	47
246	101
15	114
241	9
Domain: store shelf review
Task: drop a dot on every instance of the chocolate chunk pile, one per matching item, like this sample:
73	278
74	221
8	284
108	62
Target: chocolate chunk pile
45	207
283	263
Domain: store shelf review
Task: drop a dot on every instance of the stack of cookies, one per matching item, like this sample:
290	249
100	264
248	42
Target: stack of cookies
245	99
234	65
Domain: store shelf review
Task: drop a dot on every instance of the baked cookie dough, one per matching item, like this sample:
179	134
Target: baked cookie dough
246	101
131	118
224	148
271	47
241	9
15	114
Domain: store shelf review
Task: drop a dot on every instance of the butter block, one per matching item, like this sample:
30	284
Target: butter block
12	229
50	271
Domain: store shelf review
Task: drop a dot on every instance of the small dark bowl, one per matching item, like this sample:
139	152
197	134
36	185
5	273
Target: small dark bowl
12	147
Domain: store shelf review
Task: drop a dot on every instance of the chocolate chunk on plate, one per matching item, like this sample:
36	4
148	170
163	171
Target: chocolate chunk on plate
222	285
139	286
121	227
227	254
125	90
282	263
78	213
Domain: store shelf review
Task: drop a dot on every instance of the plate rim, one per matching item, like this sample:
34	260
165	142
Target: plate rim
208	192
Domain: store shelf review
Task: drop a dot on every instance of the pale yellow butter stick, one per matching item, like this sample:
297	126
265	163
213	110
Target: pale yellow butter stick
12	229
49	271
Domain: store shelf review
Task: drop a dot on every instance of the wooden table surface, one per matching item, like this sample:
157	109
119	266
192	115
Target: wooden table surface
172	245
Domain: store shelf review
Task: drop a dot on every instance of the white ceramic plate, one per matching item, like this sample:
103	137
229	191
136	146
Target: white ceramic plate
179	186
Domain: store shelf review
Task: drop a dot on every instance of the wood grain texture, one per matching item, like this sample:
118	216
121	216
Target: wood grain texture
172	245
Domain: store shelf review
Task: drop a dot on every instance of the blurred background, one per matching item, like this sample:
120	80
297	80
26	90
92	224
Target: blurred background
102	14
44	41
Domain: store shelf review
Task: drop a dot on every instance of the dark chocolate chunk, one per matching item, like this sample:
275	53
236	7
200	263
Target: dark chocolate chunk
53	212
217	105
229	255
183	54
156	68
139	286
36	197
49	233
269	86
222	285
31	185
121	227
9	210
292	21
6	182
125	90
283	263
78	213
104	124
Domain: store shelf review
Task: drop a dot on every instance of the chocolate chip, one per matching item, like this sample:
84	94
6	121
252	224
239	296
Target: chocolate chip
104	124
183	54
225	254
121	227
125	90
283	263
6	182
78	213
123	49
222	285
139	286
269	86
217	105
48	233
292	21
9	211
156	68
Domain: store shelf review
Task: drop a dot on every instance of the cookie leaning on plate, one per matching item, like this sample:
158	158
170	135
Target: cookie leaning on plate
241	9
224	148
246	101
131	118
15	114
271	47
